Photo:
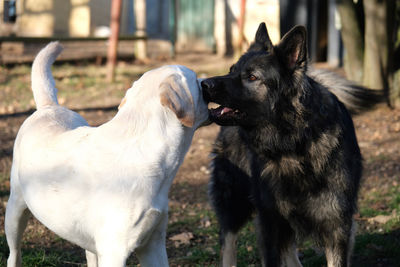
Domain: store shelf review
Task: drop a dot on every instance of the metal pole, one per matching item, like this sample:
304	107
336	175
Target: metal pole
113	40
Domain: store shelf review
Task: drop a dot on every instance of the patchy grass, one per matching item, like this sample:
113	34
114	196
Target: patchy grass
377	249
382	202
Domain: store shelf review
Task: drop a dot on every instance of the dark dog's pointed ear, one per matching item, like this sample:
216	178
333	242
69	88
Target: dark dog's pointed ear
262	42
293	48
176	95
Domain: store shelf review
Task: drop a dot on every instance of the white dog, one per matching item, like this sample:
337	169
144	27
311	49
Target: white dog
103	188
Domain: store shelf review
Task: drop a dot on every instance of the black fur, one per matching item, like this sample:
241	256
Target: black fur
287	150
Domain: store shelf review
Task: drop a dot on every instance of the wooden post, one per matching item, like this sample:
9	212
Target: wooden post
140	15
241	27
113	40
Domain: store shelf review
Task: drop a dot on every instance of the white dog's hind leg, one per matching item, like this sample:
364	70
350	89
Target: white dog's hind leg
91	259
16	219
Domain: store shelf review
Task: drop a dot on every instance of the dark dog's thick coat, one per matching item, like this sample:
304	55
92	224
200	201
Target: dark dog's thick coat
287	151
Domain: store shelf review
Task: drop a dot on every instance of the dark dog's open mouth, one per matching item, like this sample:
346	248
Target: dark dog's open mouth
224	115
220	112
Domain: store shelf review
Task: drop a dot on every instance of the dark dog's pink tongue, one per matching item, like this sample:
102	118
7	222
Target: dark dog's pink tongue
226	110
220	111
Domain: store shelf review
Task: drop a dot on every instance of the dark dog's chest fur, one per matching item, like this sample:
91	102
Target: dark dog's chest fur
302	163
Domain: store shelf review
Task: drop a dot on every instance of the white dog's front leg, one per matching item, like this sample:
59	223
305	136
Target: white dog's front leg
111	259
147	225
154	252
91	259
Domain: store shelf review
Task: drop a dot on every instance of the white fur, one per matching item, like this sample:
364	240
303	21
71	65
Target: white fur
103	188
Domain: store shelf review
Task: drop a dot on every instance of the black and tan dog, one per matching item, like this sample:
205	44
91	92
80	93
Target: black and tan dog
287	152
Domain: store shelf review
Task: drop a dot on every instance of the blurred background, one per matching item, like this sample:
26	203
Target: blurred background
169	26
349	32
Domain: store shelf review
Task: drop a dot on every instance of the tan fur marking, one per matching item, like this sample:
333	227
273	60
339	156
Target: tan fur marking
322	147
287	165
177	96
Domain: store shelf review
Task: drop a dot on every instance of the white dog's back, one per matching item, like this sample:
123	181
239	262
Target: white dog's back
50	119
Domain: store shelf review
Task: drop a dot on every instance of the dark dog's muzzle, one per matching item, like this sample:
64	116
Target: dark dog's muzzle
207	85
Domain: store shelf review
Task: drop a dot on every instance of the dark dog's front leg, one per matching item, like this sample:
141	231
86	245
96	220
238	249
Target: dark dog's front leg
228	249
339	245
275	239
229	191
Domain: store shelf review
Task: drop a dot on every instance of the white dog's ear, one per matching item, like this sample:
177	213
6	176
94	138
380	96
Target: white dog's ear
176	95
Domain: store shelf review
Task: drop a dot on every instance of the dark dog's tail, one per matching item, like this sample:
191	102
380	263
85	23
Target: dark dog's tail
355	97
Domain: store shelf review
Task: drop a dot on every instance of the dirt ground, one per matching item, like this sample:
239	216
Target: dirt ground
378	132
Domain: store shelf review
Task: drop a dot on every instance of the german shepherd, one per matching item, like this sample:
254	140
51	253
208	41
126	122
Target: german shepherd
287	151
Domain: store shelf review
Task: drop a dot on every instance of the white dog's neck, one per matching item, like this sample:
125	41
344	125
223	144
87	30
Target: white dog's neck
136	119
166	139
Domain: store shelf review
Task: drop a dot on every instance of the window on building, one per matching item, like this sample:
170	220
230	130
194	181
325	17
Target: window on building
10	12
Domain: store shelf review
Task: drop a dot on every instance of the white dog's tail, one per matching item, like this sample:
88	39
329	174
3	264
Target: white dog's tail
43	85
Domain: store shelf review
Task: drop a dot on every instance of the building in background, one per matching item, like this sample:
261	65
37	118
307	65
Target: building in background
170	26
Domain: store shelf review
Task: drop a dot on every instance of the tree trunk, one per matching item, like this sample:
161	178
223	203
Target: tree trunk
373	57
394	92
352	35
394	54
377	49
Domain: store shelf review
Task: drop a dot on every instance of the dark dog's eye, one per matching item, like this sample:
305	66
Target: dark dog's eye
252	78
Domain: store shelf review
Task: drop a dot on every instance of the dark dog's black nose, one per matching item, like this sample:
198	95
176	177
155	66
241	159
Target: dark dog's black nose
207	84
